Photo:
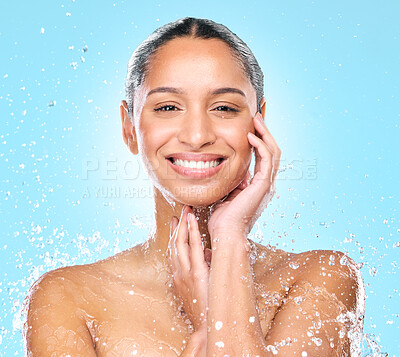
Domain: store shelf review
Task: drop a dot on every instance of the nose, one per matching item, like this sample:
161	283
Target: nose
197	130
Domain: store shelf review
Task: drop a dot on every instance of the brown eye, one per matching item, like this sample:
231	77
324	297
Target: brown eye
225	108
166	108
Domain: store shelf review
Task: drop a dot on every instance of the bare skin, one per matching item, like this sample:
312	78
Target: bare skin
198	286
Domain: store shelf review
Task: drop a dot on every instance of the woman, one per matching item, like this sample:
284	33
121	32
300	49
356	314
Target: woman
198	287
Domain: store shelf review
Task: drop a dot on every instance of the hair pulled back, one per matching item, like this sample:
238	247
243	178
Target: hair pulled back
196	28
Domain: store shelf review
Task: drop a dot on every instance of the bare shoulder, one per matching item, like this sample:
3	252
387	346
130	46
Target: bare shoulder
332	271
318	301
60	304
53	321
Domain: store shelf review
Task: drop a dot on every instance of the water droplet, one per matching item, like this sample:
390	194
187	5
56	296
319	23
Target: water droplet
219	344
293	265
218	325
317	341
51	103
304	354
252	319
396	244
344	260
373	271
298	300
297	215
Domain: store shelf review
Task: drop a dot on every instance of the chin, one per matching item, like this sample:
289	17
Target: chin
197	196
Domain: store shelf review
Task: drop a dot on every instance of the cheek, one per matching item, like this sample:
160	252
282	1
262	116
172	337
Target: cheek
239	143
237	135
149	139
152	137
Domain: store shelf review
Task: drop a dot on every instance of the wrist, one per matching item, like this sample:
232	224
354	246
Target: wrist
235	239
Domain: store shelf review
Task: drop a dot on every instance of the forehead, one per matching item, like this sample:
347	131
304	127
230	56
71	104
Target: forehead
189	61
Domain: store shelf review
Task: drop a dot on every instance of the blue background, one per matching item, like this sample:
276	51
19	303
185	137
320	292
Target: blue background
71	193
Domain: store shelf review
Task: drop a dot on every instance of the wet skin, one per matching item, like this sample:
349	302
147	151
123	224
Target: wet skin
167	297
94	305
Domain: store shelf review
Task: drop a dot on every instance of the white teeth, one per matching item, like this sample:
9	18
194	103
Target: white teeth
196	164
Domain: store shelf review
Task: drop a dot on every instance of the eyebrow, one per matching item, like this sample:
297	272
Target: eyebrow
180	91
165	90
228	90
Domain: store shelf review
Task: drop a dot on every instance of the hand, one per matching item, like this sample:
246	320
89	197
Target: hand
189	267
243	206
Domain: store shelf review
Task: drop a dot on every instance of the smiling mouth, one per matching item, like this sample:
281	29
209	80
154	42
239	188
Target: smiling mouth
192	164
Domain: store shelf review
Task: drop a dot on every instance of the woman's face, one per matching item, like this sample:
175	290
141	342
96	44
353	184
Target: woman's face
192	116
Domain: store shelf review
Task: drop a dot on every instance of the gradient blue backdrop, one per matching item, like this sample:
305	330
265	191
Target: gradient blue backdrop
71	193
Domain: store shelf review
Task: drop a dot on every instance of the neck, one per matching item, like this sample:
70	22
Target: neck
164	210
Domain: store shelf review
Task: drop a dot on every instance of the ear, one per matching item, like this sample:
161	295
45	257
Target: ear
128	130
263	106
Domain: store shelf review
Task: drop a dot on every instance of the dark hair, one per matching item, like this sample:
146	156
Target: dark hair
196	28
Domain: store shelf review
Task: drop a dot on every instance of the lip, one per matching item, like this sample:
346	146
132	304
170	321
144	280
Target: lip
193	172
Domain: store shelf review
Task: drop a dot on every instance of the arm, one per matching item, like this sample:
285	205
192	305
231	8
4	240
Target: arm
52	325
233	323
319	315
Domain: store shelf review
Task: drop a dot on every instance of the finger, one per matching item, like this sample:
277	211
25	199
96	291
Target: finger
171	251
173	226
265	134
181	242
264	159
196	249
269	140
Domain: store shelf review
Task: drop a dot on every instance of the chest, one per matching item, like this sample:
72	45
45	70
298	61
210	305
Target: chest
141	323
126	321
